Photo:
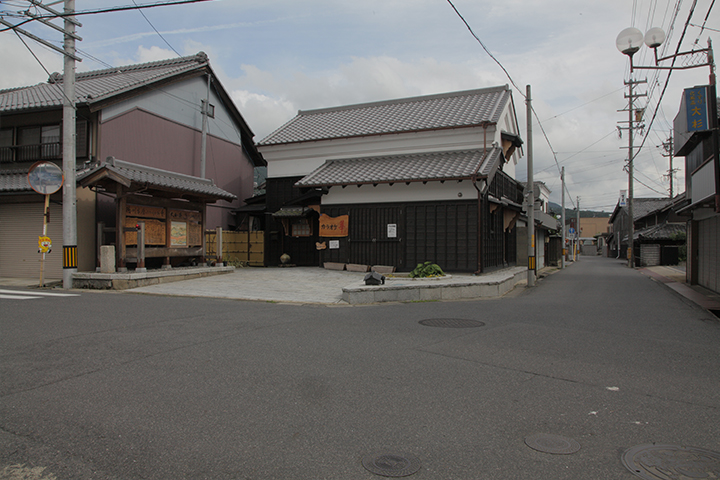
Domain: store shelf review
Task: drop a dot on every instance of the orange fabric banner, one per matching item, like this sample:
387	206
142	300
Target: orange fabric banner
333	227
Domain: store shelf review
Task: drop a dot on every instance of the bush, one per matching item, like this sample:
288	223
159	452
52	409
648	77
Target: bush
427	269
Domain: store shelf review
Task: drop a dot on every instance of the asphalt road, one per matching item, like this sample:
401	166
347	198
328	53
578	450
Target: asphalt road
127	386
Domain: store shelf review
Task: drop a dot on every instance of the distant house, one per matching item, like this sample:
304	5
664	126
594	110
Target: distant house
397	183
547	248
148	114
658	231
698	142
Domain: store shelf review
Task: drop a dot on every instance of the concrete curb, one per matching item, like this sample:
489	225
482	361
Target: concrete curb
410	290
125	281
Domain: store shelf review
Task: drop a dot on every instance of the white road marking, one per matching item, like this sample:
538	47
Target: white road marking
17	297
24	294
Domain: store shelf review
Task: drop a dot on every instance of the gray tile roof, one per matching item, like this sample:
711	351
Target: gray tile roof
157	178
98	85
643	207
448	110
664	231
416	167
14	181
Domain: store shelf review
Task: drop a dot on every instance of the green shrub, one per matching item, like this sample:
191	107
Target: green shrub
427	269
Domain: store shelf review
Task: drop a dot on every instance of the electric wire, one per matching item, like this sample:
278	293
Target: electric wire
103	10
539	123
156	30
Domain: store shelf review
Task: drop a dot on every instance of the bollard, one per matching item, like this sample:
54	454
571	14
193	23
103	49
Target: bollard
107	259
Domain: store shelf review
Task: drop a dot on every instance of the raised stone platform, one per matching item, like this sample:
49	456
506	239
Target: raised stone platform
132	279
403	289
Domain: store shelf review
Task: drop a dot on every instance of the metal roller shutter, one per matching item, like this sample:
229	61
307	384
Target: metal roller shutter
20	227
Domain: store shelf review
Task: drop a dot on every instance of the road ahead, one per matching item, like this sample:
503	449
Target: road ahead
126	386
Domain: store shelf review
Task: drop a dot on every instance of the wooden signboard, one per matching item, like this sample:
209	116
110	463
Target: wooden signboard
333	226
154	231
143	211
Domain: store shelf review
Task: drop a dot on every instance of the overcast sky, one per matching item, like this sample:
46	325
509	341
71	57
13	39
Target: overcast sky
278	56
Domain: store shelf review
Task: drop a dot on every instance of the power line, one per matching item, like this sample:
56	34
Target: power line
103	10
667	80
539	123
156	30
484	47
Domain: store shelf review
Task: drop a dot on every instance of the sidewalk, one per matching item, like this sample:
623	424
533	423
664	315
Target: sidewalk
674	278
321	286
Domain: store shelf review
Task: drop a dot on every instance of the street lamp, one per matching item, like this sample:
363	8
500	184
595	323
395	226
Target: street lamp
628	42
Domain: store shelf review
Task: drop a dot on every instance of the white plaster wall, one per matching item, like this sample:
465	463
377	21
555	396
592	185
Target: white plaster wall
400	192
302	158
299	159
166	102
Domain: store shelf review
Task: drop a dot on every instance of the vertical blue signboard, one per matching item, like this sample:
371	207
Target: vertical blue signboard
697	109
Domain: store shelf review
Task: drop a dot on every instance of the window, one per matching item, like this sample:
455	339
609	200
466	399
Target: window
210	109
301	228
30	144
39	143
6	142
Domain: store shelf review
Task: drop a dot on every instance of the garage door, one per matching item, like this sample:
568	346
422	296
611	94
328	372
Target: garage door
20	226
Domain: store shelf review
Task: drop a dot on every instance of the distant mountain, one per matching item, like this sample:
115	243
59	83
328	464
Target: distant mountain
569	212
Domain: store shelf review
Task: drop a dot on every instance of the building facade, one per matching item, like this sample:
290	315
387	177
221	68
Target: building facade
418	179
149	114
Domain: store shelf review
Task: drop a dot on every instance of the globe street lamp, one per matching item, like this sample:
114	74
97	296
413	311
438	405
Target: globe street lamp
629	42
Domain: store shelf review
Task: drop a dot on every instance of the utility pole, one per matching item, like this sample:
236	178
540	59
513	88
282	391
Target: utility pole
577	229
531	197
69	150
631	96
668	147
562	206
203	142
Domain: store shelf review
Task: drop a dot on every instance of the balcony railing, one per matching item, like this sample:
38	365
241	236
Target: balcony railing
31	153
505	186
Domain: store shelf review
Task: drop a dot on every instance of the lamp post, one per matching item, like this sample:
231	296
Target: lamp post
629	42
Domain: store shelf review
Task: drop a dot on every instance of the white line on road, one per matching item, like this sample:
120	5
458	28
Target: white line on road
17	297
17	294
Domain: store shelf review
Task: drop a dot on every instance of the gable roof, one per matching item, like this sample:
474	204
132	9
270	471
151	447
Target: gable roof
415	167
431	112
98	85
642	207
97	88
128	173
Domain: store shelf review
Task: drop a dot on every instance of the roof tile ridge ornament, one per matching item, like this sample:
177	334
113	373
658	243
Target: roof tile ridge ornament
114	162
200	57
413	99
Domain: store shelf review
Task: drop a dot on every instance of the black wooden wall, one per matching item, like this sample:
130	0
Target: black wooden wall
442	232
281	192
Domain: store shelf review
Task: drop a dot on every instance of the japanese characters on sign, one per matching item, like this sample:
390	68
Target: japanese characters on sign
333	226
696	104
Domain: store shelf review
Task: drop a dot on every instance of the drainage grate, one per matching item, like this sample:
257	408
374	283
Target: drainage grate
672	462
555	444
392	464
451	323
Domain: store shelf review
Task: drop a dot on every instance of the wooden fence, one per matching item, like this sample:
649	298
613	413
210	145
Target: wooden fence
247	247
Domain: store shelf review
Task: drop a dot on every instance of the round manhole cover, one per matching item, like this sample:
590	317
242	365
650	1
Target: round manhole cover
555	444
672	462
392	464
451	323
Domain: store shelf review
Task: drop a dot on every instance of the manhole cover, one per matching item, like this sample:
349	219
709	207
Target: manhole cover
555	444
451	323
392	464
672	462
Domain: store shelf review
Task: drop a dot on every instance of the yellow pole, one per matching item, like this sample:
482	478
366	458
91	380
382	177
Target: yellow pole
42	261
